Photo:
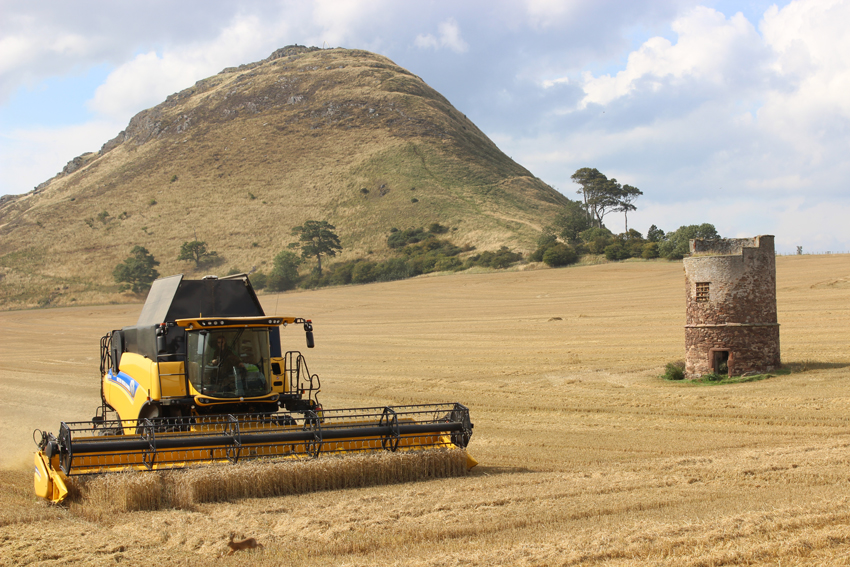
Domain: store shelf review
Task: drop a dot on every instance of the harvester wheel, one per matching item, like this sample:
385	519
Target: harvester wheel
390	441
66	455
461	414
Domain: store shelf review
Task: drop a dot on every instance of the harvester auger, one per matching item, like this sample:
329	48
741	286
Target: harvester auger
202	378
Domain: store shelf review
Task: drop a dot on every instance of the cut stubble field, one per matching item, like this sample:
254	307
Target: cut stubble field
587	456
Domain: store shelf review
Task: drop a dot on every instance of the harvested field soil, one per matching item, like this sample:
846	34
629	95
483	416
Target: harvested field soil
587	456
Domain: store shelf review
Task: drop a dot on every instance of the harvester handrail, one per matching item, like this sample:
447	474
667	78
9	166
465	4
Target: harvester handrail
293	370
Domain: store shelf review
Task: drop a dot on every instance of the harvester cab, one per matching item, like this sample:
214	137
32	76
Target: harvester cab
202	347
202	378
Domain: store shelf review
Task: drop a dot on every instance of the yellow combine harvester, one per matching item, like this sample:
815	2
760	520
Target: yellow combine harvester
202	378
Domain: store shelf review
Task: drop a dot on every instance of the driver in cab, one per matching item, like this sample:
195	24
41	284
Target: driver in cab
225	361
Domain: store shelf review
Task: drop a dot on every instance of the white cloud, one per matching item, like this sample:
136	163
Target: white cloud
545	13
47	150
22	54
818	228
336	21
449	37
549	83
148	78
812	111
711	51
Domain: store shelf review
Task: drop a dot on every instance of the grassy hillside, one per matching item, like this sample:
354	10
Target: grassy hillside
238	159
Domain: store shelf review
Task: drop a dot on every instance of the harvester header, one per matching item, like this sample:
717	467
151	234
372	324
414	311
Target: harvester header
203	378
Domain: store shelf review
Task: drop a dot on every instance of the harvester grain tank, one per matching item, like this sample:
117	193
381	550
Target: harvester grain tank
202	378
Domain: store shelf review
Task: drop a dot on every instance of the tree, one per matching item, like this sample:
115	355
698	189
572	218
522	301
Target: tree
316	238
588	179
284	274
596	239
137	271
570	222
677	244
628	194
654	234
196	251
601	195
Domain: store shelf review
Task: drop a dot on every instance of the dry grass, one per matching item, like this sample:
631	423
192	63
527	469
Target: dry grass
587	456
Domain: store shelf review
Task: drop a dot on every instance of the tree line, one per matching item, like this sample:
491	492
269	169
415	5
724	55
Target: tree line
578	229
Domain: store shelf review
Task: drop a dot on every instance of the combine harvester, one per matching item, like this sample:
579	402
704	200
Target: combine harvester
202	378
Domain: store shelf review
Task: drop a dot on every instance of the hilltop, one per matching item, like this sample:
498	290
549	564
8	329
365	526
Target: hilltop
239	158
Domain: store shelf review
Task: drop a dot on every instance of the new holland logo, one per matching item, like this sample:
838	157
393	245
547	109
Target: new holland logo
37	473
125	382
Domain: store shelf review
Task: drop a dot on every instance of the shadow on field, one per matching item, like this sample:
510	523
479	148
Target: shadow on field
805	365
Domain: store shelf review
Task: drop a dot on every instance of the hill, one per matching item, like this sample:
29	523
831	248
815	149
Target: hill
238	159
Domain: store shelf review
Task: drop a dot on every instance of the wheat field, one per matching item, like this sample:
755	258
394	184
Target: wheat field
587	456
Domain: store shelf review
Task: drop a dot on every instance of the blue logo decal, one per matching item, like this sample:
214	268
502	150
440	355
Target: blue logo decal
125	381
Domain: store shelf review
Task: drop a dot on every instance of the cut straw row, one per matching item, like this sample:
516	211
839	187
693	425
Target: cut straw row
133	491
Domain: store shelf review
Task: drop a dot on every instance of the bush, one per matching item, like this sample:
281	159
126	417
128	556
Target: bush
616	251
447	264
259	280
437	228
545	241
649	251
401	238
363	272
559	255
284	275
393	269
674	371
498	260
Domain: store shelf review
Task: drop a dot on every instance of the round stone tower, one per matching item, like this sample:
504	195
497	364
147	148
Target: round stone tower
731	326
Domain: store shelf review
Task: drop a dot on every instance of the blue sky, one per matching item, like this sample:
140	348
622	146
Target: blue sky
729	112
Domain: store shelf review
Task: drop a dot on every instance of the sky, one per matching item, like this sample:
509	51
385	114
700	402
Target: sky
729	112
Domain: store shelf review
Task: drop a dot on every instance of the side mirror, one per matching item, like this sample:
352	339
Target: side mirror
308	329
161	345
117	349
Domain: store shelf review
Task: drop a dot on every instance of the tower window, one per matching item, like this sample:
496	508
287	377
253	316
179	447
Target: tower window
702	292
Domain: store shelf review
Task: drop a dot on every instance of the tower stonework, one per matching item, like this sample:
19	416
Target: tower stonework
731	325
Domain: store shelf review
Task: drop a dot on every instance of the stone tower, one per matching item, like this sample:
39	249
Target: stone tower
731	326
